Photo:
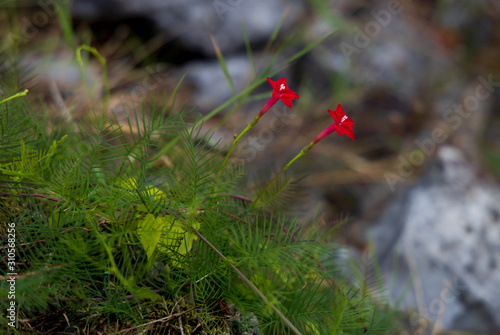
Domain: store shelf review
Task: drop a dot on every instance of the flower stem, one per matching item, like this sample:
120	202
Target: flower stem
236	140
249	283
302	153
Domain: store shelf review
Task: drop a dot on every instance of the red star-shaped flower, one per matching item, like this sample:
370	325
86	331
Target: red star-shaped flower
280	91
342	125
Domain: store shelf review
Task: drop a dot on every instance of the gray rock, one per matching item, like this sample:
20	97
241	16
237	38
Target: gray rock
60	79
210	85
373	49
444	235
62	69
192	21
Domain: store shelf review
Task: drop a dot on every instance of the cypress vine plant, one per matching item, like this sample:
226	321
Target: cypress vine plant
112	235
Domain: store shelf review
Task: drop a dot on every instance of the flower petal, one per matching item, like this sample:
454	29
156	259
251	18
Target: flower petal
289	94
350	133
281	91
344	123
281	81
272	83
287	102
337	114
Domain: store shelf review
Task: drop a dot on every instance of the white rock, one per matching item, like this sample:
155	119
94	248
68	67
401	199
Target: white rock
444	232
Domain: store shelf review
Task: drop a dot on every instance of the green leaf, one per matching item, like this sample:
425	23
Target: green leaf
223	65
165	235
149	231
64	16
132	185
187	243
248	46
177	239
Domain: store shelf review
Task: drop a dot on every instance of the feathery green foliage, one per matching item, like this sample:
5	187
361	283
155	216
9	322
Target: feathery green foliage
108	232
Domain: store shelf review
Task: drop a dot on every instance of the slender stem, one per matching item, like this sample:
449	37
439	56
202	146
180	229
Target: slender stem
270	103
249	283
102	60
236	140
17	95
301	153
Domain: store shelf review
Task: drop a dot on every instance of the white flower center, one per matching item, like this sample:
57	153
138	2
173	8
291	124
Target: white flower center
282	87
344	118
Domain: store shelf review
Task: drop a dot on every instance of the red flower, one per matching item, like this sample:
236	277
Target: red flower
280	91
342	124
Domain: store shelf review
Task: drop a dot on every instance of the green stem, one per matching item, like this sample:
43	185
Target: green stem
17	95
236	140
102	60
249	283
302	153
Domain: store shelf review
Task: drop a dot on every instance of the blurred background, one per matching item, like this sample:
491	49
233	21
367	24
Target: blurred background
418	190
